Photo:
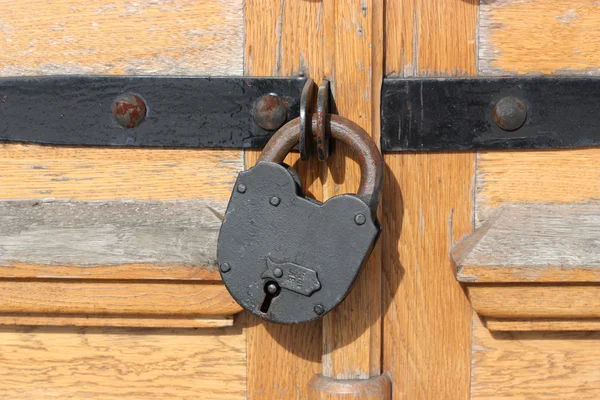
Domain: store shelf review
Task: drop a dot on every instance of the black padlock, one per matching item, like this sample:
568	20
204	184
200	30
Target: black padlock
285	257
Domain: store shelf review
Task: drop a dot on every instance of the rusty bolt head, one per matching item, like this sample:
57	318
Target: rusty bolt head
129	110
270	112
510	113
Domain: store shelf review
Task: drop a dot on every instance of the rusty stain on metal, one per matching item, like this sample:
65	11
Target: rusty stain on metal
129	110
510	113
270	112
306	110
321	133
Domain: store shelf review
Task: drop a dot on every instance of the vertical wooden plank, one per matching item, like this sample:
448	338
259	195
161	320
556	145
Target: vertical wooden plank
427	207
352	332
284	38
342	41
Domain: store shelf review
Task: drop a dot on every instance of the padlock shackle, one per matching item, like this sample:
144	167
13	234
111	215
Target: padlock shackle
346	131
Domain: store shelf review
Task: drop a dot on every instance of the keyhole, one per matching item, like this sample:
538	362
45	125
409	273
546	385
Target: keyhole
272	290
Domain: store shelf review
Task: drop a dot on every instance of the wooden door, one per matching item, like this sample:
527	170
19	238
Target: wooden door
87	312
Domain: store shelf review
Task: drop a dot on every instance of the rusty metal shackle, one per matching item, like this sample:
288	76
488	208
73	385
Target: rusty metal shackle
346	131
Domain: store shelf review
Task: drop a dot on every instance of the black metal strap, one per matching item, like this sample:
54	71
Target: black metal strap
438	114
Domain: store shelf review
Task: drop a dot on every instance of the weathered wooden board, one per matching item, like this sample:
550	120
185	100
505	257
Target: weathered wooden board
543	324
535	365
147	37
563	176
117	363
135	184
534	242
533	37
89	234
539	36
427	207
73	173
175	37
526	301
130	321
55	296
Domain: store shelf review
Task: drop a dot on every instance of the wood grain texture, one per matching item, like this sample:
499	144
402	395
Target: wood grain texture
91	234
129	321
559	176
427	207
112	363
91	297
539	36
148	37
92	174
285	38
352	350
535	365
110	272
375	388
542	325
518	301
535	243
343	42
41	172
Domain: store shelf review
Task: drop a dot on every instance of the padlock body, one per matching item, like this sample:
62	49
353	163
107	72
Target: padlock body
312	251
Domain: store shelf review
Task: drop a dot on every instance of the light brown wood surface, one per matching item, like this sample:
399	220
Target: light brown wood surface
534	365
100	37
178	37
90	297
551	176
352	332
427	207
283	41
147	37
532	37
124	320
542	324
539	36
72	173
536	301
118	363
341	41
540	242
375	388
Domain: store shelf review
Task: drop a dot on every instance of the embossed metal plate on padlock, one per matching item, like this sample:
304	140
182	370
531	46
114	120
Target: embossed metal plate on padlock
287	258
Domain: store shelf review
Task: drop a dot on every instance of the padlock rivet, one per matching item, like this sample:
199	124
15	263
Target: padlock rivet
360	219
274	201
319	309
277	272
241	188
225	267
